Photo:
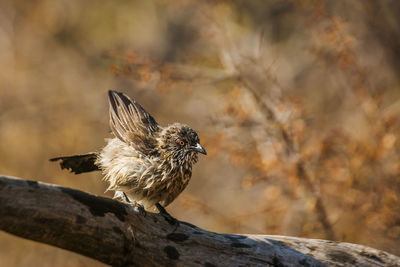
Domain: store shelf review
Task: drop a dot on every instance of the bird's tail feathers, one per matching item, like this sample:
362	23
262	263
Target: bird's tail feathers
78	163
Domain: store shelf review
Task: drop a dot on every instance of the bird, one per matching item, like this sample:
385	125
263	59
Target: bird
145	164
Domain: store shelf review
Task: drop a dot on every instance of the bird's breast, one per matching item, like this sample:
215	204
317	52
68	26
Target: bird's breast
174	182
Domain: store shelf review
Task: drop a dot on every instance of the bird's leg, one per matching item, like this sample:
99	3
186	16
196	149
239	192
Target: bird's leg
125	197
171	220
121	196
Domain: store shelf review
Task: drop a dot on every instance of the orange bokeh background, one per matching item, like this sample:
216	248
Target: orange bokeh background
296	102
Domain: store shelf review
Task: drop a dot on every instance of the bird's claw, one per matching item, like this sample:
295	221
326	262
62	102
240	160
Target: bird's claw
141	209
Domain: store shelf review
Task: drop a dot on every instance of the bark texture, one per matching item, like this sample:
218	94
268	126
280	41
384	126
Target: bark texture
119	235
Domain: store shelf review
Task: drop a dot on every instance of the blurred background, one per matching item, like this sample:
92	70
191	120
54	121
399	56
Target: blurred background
296	102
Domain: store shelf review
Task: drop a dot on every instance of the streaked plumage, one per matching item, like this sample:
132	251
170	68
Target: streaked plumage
149	163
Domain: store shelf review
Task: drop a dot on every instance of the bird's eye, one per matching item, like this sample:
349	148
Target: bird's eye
181	143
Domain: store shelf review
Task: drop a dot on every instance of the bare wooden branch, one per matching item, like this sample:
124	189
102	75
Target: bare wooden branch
119	235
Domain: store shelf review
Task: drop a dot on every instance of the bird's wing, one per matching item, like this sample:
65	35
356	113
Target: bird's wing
131	123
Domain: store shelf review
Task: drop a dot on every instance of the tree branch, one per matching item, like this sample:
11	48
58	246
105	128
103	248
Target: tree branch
117	234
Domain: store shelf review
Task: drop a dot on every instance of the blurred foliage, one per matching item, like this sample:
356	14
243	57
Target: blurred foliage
297	103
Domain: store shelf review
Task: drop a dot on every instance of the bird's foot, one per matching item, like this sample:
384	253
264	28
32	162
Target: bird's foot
171	220
141	209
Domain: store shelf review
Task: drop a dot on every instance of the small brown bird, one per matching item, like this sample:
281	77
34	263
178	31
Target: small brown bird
145	164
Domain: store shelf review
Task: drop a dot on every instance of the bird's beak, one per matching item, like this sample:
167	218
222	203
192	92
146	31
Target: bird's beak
199	149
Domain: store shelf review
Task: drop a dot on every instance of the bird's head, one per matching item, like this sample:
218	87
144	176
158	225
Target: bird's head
180	143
